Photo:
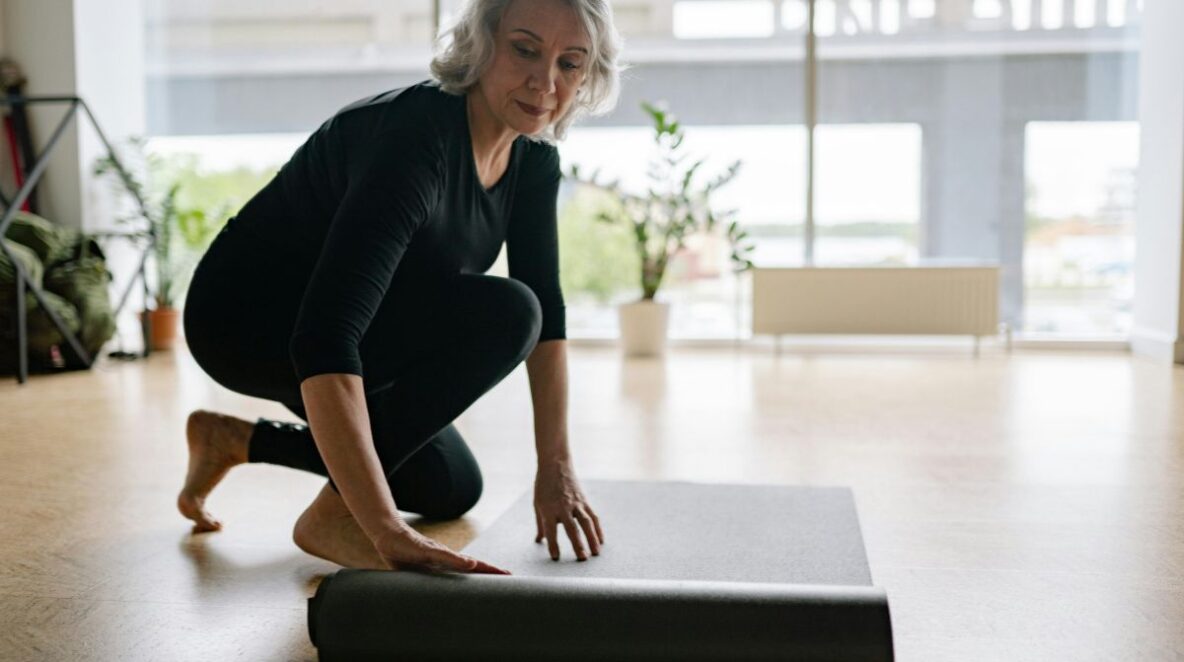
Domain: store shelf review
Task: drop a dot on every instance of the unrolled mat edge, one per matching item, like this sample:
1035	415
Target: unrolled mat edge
375	614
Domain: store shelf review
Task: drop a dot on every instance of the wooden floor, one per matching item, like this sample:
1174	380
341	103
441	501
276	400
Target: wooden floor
1022	507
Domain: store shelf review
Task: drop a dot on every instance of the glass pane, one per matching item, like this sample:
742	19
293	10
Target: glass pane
220	67
1002	100
709	298
869	194
713	19
1079	245
233	88
724	69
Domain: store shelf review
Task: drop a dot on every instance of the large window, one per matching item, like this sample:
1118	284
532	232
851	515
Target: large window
1024	116
998	131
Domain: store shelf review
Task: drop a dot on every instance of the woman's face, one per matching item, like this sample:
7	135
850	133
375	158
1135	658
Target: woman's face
540	59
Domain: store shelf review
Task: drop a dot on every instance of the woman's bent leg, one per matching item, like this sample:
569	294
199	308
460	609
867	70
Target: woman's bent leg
441	480
429	354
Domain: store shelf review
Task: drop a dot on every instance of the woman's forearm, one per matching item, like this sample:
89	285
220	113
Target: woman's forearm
340	423
547	370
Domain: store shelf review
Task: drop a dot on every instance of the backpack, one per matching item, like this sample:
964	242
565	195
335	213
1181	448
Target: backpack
72	269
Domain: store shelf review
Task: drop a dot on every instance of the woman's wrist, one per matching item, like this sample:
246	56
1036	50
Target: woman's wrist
376	513
558	462
552	451
375	510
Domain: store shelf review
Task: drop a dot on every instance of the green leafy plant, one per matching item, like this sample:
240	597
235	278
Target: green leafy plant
177	233
674	206
597	260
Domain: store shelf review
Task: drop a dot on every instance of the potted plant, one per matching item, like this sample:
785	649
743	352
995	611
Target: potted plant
177	234
673	208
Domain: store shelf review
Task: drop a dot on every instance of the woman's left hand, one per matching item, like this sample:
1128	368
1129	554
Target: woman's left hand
559	500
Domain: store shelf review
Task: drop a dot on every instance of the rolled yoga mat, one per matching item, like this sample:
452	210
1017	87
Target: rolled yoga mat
688	571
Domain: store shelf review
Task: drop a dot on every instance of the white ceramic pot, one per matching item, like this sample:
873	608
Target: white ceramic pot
643	327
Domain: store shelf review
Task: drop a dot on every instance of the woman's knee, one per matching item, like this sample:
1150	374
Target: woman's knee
464	493
515	316
528	312
455	499
442	480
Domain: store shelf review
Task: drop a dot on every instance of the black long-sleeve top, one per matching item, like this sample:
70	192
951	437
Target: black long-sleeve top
387	190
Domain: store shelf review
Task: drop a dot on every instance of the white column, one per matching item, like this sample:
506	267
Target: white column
1159	273
109	61
1037	15
1101	7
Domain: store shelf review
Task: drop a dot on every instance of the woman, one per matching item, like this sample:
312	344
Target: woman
351	289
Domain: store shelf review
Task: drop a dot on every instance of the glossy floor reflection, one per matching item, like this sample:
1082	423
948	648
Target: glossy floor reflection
1022	507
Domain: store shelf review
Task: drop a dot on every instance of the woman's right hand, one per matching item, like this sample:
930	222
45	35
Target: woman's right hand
403	548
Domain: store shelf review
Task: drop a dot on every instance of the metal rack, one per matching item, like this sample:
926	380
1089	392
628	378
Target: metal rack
23	282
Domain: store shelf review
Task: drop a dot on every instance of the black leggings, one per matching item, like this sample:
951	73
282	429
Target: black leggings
432	349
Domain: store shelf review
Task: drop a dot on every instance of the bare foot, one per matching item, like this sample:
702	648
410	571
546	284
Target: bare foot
216	443
329	531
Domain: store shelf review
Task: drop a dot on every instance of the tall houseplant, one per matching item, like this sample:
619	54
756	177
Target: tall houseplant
673	208
177	233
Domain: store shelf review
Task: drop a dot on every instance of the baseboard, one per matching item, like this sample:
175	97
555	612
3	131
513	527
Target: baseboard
905	343
1158	346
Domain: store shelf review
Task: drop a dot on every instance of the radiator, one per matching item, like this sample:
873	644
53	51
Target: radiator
876	300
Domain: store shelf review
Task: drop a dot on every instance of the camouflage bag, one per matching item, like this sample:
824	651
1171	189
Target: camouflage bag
72	269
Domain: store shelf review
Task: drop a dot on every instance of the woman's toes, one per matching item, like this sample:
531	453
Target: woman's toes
207	524
192	508
206	527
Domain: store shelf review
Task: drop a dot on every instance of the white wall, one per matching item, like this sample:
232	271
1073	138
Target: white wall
93	50
39	35
1159	272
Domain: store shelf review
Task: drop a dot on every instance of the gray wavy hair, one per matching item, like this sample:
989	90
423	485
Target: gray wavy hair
465	58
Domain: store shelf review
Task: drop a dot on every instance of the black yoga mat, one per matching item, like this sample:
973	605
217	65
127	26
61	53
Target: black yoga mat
689	571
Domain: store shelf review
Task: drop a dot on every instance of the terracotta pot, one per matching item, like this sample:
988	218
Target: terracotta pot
163	334
643	326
